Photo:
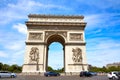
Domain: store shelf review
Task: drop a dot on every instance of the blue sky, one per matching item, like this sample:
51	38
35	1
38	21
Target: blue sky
102	31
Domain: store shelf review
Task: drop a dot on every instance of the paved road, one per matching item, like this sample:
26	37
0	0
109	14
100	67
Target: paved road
36	77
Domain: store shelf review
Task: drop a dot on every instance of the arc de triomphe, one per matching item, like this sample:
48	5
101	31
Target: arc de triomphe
42	30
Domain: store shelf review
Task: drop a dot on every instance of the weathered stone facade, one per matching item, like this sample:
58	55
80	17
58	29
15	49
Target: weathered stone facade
45	29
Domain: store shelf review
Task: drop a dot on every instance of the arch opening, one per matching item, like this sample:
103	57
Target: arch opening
55	53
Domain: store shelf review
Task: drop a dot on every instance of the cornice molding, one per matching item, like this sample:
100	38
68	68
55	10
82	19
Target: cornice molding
54	24
71	43
44	43
35	43
32	64
78	64
55	16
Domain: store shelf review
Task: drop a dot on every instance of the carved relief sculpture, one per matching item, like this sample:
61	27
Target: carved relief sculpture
77	55
76	36
35	36
34	54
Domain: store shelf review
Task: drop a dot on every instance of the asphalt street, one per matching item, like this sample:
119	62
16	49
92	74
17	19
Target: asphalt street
38	77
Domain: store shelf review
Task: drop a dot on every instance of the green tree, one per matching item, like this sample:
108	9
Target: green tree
12	68
94	69
58	70
118	68
1	65
63	69
5	67
97	69
15	68
50	68
104	69
113	68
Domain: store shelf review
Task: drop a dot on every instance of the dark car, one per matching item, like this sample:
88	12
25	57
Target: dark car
85	74
51	74
93	73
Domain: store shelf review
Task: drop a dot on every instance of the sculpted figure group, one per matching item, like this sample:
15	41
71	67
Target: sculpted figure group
34	54
77	55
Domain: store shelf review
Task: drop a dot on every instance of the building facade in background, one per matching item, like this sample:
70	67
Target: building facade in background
117	64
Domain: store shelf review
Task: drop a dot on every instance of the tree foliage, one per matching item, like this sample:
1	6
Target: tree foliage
50	68
54	70
18	69
1	65
12	68
104	69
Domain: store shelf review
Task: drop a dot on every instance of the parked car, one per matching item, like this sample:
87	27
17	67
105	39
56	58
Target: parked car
118	74
51	74
85	74
114	75
93	73
7	74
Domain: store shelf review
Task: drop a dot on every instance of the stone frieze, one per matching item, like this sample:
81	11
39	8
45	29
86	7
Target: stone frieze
76	37
35	36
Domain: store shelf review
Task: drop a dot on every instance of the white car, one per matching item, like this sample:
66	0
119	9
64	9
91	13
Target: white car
113	75
7	74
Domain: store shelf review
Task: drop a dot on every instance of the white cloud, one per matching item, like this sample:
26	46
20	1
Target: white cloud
101	51
13	12
15	45
3	55
21	28
92	20
17	57
104	20
31	4
11	44
11	41
98	4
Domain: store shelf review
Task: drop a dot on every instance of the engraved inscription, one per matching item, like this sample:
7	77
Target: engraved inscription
77	55
35	36
76	36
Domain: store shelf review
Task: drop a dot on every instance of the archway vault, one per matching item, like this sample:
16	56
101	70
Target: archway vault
55	38
50	40
42	30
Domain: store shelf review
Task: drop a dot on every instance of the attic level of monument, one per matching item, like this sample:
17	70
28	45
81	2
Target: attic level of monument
51	18
55	16
74	22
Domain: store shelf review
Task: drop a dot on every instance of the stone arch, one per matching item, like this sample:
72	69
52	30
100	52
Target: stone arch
61	34
42	30
54	38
